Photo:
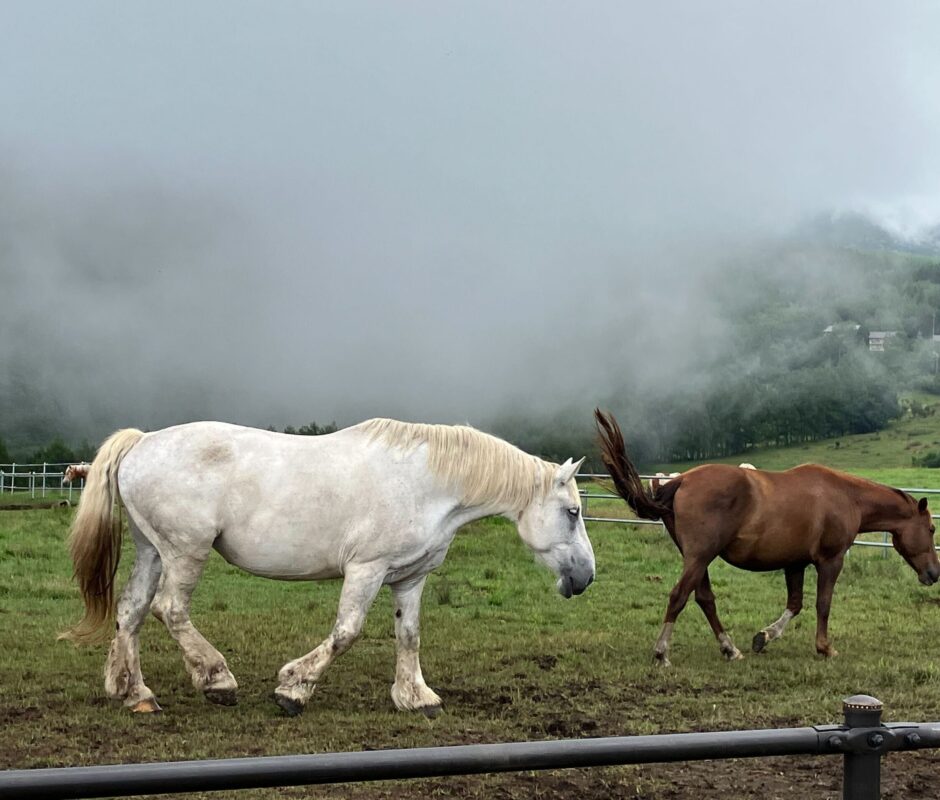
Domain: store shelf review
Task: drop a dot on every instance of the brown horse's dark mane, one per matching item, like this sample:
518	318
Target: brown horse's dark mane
905	495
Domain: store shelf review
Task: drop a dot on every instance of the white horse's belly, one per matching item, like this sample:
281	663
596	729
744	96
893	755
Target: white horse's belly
289	560
311	554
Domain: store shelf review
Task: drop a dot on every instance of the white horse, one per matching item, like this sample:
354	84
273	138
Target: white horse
377	503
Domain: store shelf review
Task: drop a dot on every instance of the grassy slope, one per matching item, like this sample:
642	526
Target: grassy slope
884	456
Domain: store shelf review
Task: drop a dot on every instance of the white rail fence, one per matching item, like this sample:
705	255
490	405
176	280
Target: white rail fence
39	480
48	480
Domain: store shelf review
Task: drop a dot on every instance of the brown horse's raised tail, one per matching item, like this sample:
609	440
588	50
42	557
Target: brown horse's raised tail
624	475
95	538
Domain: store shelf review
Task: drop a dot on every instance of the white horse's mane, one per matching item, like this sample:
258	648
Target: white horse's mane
483	469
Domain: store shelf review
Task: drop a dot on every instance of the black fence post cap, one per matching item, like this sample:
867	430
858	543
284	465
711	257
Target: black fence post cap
861	702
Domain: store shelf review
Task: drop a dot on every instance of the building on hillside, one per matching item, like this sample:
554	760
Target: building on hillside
877	339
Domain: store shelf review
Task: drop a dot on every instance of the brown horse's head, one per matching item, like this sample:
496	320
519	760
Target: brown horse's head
913	539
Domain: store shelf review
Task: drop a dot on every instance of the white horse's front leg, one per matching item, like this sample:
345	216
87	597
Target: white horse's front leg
299	678
410	692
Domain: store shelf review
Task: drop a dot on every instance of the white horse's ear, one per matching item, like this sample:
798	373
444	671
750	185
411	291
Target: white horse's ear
565	472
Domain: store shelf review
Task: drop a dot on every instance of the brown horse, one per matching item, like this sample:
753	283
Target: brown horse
762	521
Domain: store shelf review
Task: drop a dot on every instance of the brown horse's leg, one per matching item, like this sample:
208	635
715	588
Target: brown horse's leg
692	572
705	597
794	606
827	573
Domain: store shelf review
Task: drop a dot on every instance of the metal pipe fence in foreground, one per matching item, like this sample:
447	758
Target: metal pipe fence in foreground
862	741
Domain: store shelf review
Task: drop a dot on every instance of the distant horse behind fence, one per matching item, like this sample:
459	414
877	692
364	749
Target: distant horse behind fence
76	472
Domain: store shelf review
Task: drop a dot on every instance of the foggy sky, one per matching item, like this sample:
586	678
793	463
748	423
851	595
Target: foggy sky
278	213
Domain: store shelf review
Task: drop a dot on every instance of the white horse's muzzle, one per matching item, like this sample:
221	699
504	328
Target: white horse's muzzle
574	582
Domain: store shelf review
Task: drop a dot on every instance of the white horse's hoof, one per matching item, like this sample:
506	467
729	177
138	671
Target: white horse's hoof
147	706
221	697
412	697
760	641
288	705
660	660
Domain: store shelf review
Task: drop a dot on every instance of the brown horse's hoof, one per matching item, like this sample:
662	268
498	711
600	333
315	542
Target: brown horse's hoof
221	697
760	641
431	712
148	706
290	707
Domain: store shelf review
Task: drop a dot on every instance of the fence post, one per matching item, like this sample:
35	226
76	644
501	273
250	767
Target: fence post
861	776
44	471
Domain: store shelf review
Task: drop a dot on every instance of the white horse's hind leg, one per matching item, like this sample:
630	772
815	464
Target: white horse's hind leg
122	676
410	692
206	665
299	678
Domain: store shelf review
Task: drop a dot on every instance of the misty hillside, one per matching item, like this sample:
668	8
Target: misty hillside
795	362
789	362
863	232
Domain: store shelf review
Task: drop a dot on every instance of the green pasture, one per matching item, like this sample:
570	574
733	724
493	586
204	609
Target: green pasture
511	659
885	455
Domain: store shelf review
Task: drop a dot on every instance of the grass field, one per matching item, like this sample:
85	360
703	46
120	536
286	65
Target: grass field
511	659
891	449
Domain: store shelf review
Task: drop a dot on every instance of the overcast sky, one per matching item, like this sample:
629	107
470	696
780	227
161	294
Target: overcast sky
284	212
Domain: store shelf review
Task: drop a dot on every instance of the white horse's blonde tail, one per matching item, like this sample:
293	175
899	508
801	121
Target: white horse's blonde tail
95	538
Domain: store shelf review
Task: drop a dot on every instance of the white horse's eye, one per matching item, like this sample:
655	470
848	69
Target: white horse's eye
573	512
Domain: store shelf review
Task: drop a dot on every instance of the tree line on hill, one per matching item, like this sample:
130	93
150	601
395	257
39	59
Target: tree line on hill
56	451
